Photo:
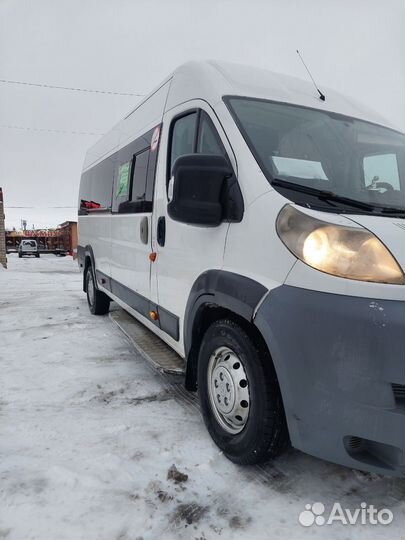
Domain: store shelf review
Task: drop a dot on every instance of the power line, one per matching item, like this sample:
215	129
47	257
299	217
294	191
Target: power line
50	130
70	88
36	207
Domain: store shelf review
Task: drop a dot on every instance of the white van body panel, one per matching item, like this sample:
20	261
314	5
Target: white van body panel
95	231
253	248
130	264
145	116
178	264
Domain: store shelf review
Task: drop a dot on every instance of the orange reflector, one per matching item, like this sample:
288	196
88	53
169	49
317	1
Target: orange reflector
152	256
153	315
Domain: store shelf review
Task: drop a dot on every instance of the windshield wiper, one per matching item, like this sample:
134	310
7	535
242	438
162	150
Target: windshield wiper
323	195
398	212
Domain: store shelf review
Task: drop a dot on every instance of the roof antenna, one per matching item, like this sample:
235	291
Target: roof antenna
321	95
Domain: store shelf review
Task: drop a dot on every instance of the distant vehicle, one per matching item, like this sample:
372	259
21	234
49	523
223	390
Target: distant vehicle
28	247
260	232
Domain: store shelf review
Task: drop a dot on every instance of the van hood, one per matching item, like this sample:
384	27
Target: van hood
391	231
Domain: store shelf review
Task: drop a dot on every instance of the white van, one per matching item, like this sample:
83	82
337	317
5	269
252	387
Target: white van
260	232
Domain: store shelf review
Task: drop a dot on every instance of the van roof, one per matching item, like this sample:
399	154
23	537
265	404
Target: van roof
211	80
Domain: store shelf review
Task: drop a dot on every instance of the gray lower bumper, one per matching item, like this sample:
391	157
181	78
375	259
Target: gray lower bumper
340	361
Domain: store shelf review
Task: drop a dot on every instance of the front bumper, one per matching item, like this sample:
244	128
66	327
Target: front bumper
340	361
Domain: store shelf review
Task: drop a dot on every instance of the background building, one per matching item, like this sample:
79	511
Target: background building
68	236
62	239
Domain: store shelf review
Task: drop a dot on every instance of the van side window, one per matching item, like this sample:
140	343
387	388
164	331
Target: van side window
95	188
85	193
101	184
208	139
194	133
123	180
183	137
140	173
135	196
134	176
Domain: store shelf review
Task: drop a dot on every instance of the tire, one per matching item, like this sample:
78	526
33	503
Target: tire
255	429
99	302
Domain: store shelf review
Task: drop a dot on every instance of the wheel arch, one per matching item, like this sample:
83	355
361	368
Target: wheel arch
88	261
218	294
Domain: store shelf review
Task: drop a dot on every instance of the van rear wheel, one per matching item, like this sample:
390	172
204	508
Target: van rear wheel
239	395
99	302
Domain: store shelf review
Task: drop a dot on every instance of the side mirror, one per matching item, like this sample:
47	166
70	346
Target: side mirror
196	189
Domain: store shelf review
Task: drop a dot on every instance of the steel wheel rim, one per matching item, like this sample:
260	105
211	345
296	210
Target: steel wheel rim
228	390
90	289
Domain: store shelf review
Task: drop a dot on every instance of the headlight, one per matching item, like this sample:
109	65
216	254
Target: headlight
342	251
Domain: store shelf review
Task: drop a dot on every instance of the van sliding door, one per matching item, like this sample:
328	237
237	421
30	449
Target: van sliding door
131	222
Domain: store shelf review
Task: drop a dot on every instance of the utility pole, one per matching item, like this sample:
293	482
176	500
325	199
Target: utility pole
3	253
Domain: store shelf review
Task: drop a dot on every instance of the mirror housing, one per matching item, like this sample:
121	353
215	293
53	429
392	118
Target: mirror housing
198	182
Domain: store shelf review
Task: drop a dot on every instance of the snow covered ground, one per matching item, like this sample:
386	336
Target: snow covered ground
88	432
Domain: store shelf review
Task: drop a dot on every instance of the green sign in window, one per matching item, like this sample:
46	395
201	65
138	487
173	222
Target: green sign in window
123	179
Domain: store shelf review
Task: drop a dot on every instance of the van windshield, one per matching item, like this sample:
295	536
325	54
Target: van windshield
312	152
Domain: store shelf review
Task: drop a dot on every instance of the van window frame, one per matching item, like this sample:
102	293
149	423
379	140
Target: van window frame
264	169
183	114
128	206
200	113
89	206
232	195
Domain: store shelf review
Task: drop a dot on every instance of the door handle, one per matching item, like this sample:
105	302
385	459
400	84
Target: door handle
144	230
161	231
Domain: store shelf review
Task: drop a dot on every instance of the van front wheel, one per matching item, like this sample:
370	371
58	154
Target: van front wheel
239	395
99	302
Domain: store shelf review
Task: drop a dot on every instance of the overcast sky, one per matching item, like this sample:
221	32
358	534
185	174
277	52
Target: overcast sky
356	47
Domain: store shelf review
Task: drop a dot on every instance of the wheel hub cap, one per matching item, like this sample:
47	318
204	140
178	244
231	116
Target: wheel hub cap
224	389
228	390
